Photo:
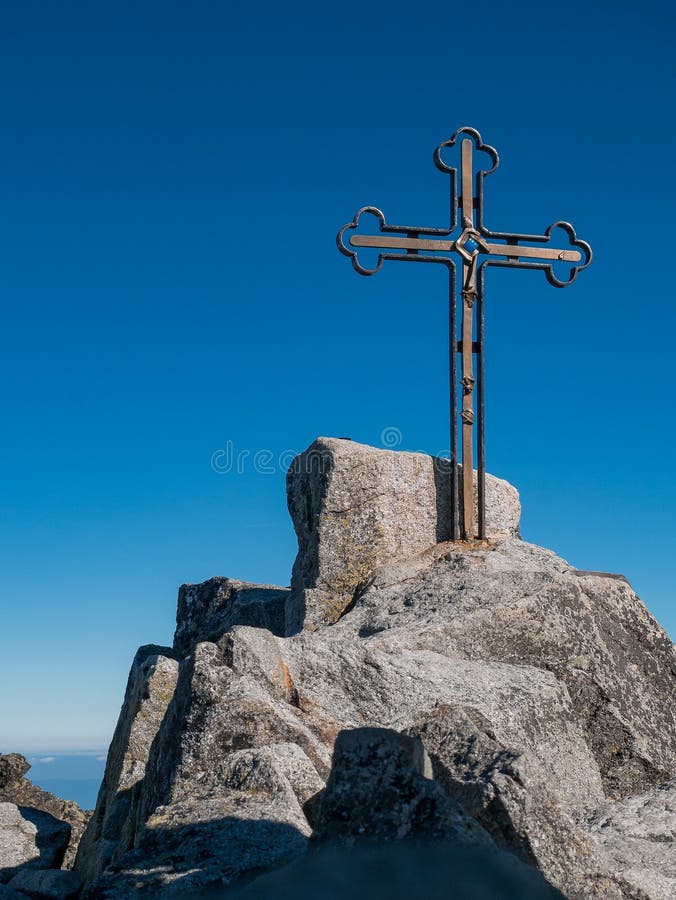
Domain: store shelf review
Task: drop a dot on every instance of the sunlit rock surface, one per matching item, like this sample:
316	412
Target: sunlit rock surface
528	707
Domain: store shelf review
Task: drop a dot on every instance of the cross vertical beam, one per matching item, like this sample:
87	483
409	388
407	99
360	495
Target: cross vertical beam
480	403
478	248
467	380
453	393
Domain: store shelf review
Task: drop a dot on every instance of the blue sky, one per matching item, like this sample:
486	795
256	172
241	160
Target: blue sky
172	177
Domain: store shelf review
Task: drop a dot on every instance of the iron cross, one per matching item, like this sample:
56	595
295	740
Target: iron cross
476	247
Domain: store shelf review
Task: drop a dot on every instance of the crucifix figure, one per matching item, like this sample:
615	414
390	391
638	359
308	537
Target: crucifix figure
475	247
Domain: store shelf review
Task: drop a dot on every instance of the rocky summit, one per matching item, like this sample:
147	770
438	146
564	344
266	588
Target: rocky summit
411	717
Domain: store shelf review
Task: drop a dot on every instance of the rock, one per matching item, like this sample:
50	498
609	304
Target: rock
15	788
256	652
400	871
355	507
380	789
50	884
206	611
13	766
226	779
250	822
192	854
151	685
30	838
301	774
506	792
214	713
639	836
520	604
349	681
539	691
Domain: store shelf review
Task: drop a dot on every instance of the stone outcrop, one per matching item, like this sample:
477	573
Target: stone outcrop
231	767
206	611
355	507
16	788
487	696
151	685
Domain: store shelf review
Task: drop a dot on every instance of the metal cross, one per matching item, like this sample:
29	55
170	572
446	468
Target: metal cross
477	247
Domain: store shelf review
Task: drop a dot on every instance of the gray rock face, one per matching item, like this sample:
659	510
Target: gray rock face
205	611
520	604
255	652
639	836
344	681
228	775
30	838
355	507
150	687
214	713
15	788
380	789
50	884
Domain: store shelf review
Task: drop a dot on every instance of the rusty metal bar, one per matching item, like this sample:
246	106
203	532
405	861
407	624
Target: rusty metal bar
453	388
437	246
480	403
467	380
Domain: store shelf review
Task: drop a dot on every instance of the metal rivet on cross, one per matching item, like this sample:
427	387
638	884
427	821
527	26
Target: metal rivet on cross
477	248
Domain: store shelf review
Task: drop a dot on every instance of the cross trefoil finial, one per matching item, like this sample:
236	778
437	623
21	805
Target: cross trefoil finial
476	247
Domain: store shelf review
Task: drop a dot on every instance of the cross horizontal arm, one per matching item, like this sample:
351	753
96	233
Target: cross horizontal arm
511	250
400	243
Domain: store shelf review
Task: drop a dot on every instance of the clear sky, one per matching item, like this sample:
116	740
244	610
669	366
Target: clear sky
172	176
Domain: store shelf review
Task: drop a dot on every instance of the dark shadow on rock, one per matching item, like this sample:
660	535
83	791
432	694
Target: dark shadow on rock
192	858
401	871
442	485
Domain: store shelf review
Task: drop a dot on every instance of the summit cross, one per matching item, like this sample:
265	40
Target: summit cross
475	247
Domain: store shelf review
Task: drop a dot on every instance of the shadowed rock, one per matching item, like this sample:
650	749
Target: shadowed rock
380	788
507	792
47	884
188	855
15	788
248	823
410	871
31	839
